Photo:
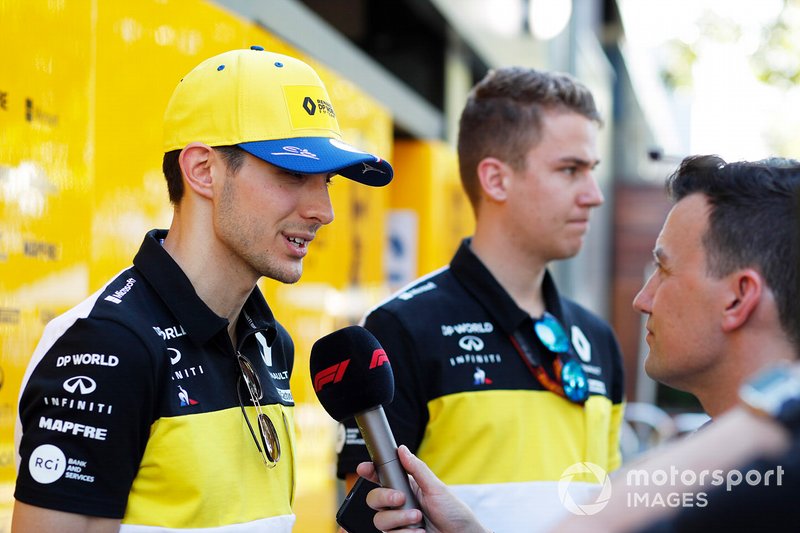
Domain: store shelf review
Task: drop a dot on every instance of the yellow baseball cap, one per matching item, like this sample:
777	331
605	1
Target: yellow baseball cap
271	105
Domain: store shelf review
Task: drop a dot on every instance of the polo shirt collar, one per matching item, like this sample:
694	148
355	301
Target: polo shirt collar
477	280
178	294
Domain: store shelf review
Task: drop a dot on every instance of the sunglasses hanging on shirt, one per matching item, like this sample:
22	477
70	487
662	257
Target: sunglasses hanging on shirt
571	382
270	447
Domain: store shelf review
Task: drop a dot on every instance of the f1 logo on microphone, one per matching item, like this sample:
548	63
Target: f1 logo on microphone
332	374
378	358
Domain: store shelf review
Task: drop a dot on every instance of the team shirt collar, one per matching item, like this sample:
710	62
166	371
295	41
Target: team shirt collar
477	280
200	322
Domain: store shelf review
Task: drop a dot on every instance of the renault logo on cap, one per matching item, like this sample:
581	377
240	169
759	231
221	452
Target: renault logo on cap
84	383
309	105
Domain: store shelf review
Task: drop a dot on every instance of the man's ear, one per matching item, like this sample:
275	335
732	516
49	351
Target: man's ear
493	175
744	294
195	162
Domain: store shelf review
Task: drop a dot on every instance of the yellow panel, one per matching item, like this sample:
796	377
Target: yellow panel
349	252
430	186
143	50
45	180
368	126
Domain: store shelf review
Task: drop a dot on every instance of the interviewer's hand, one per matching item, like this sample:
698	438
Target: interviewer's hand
444	513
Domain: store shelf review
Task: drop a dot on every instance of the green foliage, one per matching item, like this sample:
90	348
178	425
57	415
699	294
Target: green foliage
677	70
777	60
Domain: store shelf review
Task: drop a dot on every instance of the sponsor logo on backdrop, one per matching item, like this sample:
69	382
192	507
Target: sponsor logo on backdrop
34	113
40	249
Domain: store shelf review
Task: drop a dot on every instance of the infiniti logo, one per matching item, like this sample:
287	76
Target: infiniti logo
471	343
85	383
174	360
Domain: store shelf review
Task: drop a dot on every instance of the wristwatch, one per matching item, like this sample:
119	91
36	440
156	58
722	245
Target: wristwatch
775	392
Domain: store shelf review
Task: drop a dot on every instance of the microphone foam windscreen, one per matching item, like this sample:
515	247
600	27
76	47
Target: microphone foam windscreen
350	372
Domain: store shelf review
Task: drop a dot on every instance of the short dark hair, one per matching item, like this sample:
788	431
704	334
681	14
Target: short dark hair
752	222
232	155
503	115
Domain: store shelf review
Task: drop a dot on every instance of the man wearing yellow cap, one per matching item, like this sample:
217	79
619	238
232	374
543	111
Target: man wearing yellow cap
162	401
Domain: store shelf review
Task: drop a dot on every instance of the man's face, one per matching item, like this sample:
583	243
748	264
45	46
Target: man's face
550	198
266	217
682	302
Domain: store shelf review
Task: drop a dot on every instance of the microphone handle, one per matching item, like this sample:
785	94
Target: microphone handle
383	451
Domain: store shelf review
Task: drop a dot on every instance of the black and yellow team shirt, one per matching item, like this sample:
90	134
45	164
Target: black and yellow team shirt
129	409
468	405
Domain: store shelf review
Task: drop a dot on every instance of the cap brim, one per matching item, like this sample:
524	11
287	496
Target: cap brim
323	155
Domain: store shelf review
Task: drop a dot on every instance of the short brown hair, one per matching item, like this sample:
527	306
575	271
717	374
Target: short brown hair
232	155
503	114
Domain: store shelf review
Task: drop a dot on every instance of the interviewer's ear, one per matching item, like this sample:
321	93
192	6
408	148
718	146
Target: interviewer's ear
493	176
195	161
744	294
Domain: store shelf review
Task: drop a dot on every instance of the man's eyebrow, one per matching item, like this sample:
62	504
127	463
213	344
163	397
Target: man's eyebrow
579	161
659	254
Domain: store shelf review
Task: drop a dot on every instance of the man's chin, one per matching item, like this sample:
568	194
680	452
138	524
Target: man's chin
287	277
663	376
290	280
651	368
570	251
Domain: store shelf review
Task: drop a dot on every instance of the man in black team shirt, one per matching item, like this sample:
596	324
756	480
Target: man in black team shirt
501	383
162	401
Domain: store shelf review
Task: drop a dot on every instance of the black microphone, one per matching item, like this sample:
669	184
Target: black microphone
352	376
